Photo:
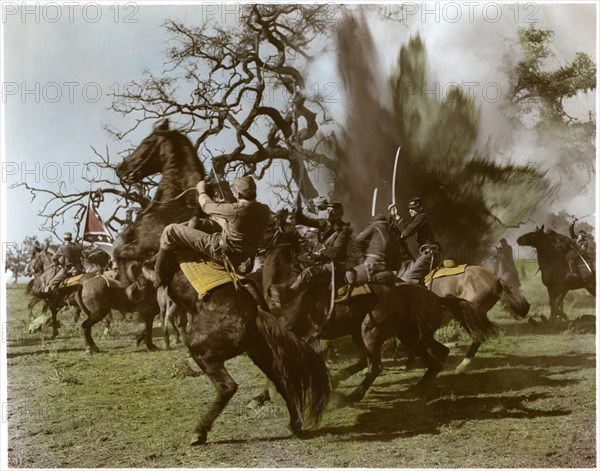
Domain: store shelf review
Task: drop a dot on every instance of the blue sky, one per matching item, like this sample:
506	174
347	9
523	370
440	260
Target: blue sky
58	74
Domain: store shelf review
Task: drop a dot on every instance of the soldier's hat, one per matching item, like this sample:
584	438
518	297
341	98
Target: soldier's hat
68	236
415	203
245	186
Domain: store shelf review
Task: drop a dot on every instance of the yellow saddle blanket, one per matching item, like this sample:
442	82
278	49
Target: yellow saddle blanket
207	275
342	292
72	280
448	268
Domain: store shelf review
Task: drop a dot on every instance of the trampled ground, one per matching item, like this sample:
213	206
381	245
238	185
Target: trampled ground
528	402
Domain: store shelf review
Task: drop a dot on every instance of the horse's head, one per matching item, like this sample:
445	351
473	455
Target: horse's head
41	260
145	160
534	238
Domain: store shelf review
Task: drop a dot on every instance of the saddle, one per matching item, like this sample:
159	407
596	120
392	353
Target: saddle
345	294
447	268
72	280
205	276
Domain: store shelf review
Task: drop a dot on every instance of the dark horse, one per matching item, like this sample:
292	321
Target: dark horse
228	322
551	252
408	311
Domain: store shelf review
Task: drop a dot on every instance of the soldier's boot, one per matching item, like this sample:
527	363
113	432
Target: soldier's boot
573	273
164	268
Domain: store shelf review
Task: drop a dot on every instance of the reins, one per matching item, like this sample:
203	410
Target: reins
175	198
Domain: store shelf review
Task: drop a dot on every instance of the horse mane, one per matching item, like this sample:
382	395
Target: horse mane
181	169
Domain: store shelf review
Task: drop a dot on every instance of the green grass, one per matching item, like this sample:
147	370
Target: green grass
528	402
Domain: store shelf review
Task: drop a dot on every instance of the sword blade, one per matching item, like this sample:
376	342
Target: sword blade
374	203
394	176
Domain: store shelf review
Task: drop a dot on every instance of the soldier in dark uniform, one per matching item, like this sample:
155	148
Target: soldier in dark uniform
373	244
234	230
334	236
68	258
429	249
580	249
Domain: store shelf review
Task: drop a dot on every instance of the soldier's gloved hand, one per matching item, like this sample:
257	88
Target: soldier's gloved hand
201	187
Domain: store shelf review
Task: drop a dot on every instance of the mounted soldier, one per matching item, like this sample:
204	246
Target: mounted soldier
69	258
578	249
429	249
232	232
373	243
334	236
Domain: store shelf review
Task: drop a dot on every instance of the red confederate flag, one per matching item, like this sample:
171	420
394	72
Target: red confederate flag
96	232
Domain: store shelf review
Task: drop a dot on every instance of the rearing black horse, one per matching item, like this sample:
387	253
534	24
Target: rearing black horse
229	322
553	265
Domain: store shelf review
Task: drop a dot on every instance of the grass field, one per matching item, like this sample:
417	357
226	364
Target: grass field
529	401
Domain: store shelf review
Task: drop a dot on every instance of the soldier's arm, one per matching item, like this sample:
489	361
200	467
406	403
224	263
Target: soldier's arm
223	210
572	229
307	221
414	226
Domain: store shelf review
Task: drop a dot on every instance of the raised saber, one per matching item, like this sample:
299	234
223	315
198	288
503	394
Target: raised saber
394	176
374	204
218	183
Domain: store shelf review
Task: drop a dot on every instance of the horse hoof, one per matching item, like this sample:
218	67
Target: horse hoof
199	439
296	430
258	402
152	348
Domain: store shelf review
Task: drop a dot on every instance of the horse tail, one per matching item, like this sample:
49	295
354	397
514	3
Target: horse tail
298	372
513	300
473	319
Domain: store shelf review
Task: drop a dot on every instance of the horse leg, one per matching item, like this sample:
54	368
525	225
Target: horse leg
263	397
552	295
373	339
146	334
107	320
360	365
432	352
560	300
86	327
466	363
54	311
226	388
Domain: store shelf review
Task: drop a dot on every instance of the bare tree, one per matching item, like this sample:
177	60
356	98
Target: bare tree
243	83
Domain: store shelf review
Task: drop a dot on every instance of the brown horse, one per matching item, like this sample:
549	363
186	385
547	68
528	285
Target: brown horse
229	322
94	295
408	311
482	288
553	265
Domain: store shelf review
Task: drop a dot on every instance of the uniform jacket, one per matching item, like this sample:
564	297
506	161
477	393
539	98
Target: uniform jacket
420	226
335	237
244	223
69	256
373	241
